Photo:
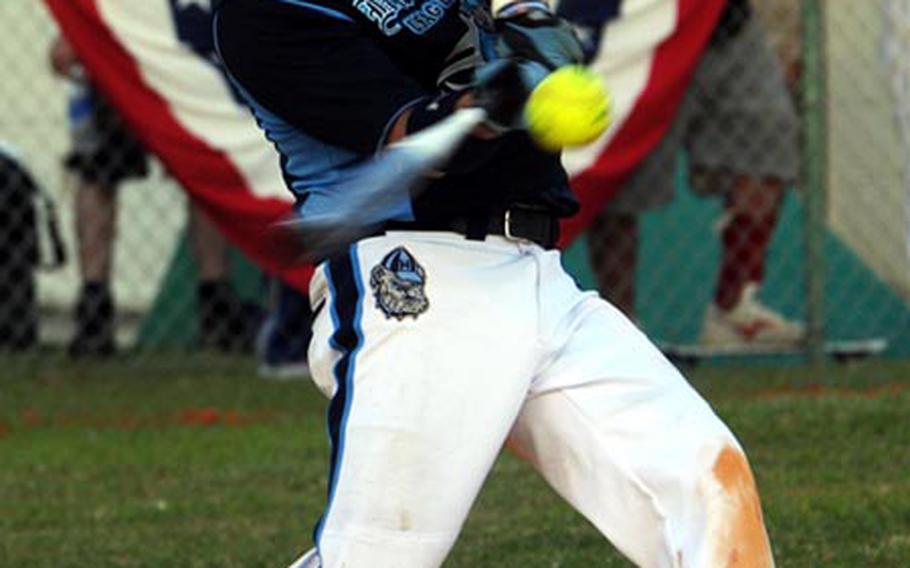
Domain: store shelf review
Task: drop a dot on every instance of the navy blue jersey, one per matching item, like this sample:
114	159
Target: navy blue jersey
327	78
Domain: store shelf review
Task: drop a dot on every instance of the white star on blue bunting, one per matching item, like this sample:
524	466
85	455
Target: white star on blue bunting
184	4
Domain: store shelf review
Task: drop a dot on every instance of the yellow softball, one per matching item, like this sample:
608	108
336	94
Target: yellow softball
570	107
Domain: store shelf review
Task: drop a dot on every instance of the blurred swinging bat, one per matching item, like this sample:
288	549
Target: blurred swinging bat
375	191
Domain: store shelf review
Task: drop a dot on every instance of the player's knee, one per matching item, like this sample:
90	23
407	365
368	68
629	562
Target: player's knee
736	529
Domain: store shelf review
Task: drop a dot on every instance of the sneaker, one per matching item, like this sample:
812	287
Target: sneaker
227	323
281	358
285	337
94	315
748	324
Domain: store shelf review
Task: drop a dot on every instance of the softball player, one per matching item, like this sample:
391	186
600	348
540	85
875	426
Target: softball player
454	328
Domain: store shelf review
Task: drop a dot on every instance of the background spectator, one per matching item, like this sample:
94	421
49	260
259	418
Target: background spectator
18	254
104	154
739	129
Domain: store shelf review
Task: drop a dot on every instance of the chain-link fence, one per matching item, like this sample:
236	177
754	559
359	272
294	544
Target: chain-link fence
772	217
101	250
790	125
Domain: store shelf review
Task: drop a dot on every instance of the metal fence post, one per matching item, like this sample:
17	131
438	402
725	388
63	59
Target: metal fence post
814	174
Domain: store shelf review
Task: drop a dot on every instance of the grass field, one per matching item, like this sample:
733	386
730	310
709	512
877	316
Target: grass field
140	466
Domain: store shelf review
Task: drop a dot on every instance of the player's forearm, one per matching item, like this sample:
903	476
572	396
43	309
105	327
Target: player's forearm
404	125
480	146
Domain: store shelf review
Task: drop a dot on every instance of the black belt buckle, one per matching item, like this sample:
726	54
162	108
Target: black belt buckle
507	226
523	223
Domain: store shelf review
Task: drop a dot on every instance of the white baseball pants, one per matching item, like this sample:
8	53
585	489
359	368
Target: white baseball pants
501	345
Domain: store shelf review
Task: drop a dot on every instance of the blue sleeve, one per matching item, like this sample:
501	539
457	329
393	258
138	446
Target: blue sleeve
317	70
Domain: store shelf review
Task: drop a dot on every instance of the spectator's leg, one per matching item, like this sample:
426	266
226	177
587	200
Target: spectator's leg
96	220
225	322
613	249
737	318
216	302
96	227
752	209
744	148
210	250
613	239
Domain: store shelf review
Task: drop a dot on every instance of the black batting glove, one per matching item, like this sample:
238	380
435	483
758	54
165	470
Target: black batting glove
502	88
528	31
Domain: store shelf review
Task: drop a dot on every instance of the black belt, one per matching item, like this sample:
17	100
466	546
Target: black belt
519	223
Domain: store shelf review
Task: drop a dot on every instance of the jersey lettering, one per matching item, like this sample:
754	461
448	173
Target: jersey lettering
391	16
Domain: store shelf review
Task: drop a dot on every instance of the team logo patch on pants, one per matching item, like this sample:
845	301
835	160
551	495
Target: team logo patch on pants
398	284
